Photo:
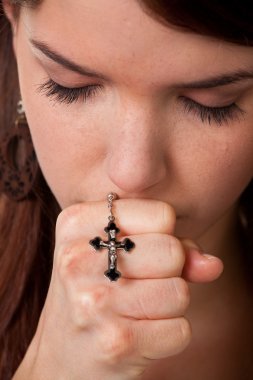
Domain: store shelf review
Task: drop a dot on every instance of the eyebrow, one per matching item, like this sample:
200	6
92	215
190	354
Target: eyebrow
215	81
65	62
220	80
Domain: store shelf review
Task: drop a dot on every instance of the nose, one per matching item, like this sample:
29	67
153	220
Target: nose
136	159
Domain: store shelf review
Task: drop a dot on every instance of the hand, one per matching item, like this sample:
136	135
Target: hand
91	328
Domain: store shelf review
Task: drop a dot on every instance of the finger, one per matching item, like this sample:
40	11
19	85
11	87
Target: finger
132	216
151	299
154	256
162	338
200	267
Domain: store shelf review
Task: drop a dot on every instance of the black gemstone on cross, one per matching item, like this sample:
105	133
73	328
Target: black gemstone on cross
96	243
128	244
112	245
111	227
112	274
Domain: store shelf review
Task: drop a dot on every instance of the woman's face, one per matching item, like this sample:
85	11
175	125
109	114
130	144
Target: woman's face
140	131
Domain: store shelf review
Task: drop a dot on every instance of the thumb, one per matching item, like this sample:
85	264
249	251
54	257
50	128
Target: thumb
200	267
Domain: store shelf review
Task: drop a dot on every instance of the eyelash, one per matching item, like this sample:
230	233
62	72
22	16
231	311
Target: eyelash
220	115
68	95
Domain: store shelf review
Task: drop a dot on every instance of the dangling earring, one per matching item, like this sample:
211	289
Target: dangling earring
18	162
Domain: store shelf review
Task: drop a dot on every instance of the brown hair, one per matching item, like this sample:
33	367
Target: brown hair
27	228
26	237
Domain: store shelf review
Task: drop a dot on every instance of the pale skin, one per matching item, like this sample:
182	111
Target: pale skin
178	178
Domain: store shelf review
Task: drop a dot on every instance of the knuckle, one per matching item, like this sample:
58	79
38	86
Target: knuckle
64	216
68	260
95	299
168	217
182	293
68	219
65	222
117	344
89	304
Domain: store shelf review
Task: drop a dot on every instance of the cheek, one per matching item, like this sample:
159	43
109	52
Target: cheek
66	156
67	143
214	171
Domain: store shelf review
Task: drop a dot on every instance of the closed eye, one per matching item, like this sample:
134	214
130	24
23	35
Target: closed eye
218	115
68	95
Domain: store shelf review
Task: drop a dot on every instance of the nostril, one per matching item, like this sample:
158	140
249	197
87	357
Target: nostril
134	173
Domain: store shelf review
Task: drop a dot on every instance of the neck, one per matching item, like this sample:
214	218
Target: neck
220	314
223	237
223	308
224	241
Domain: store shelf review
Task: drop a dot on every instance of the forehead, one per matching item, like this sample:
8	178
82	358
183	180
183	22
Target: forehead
118	36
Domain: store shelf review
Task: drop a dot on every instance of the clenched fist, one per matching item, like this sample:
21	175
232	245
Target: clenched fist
91	328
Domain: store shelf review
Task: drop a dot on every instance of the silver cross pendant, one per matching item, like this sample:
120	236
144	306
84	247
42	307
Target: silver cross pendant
112	245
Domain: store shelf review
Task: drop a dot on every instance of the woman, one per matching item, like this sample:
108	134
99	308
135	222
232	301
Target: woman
151	100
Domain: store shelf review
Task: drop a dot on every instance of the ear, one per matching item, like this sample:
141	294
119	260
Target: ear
10	11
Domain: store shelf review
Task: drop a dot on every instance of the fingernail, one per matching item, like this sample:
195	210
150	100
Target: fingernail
209	257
